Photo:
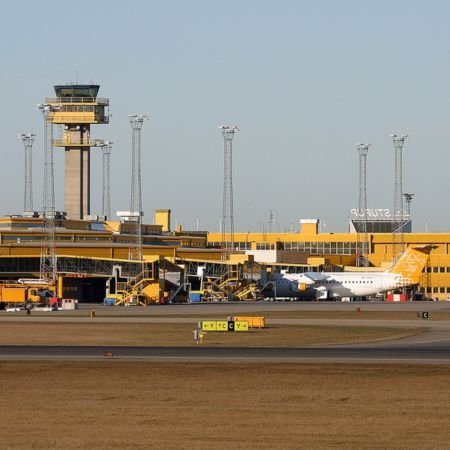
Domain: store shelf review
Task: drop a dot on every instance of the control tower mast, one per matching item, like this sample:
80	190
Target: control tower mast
77	107
28	141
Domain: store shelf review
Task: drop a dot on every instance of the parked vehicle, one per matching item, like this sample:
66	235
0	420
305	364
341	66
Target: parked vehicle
27	295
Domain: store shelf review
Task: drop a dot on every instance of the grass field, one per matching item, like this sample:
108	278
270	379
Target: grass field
181	334
146	405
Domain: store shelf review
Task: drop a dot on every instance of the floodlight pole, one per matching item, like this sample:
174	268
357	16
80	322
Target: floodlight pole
227	205
28	140
136	122
398	245
363	246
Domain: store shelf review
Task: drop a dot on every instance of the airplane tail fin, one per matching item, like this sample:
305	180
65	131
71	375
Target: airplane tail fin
411	263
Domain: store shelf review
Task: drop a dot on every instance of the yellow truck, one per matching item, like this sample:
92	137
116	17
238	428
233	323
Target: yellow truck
25	295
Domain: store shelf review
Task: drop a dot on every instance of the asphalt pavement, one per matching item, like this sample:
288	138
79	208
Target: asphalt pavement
380	353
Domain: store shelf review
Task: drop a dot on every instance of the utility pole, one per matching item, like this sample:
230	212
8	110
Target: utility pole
363	244
398	245
227	207
48	263
28	141
136	122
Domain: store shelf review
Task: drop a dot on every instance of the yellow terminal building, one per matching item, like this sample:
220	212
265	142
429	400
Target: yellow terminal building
305	249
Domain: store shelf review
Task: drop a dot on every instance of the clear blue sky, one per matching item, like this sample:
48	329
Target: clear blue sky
304	80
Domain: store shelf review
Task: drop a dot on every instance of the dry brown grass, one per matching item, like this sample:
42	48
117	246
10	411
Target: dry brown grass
180	334
150	405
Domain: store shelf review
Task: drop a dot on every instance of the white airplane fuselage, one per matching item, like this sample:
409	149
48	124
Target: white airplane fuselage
322	285
337	284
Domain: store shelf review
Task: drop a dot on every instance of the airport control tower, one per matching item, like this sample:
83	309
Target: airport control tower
77	106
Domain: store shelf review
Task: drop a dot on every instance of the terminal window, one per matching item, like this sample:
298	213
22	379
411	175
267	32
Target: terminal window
265	246
322	248
243	245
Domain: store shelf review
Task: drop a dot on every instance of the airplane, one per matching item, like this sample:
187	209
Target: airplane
334	285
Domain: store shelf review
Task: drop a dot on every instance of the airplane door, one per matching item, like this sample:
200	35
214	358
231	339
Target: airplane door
378	282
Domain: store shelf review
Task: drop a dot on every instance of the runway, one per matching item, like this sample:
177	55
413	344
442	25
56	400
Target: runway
418	353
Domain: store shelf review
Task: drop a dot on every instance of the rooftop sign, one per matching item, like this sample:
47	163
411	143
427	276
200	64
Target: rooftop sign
371	214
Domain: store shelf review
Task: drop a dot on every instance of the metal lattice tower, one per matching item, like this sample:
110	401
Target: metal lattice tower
399	141
136	122
227	207
106	192
363	244
28	141
48	264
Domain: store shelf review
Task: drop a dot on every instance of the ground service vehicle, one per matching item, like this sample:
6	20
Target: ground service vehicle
13	294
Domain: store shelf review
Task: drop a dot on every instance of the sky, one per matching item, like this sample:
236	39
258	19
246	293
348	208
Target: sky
304	81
